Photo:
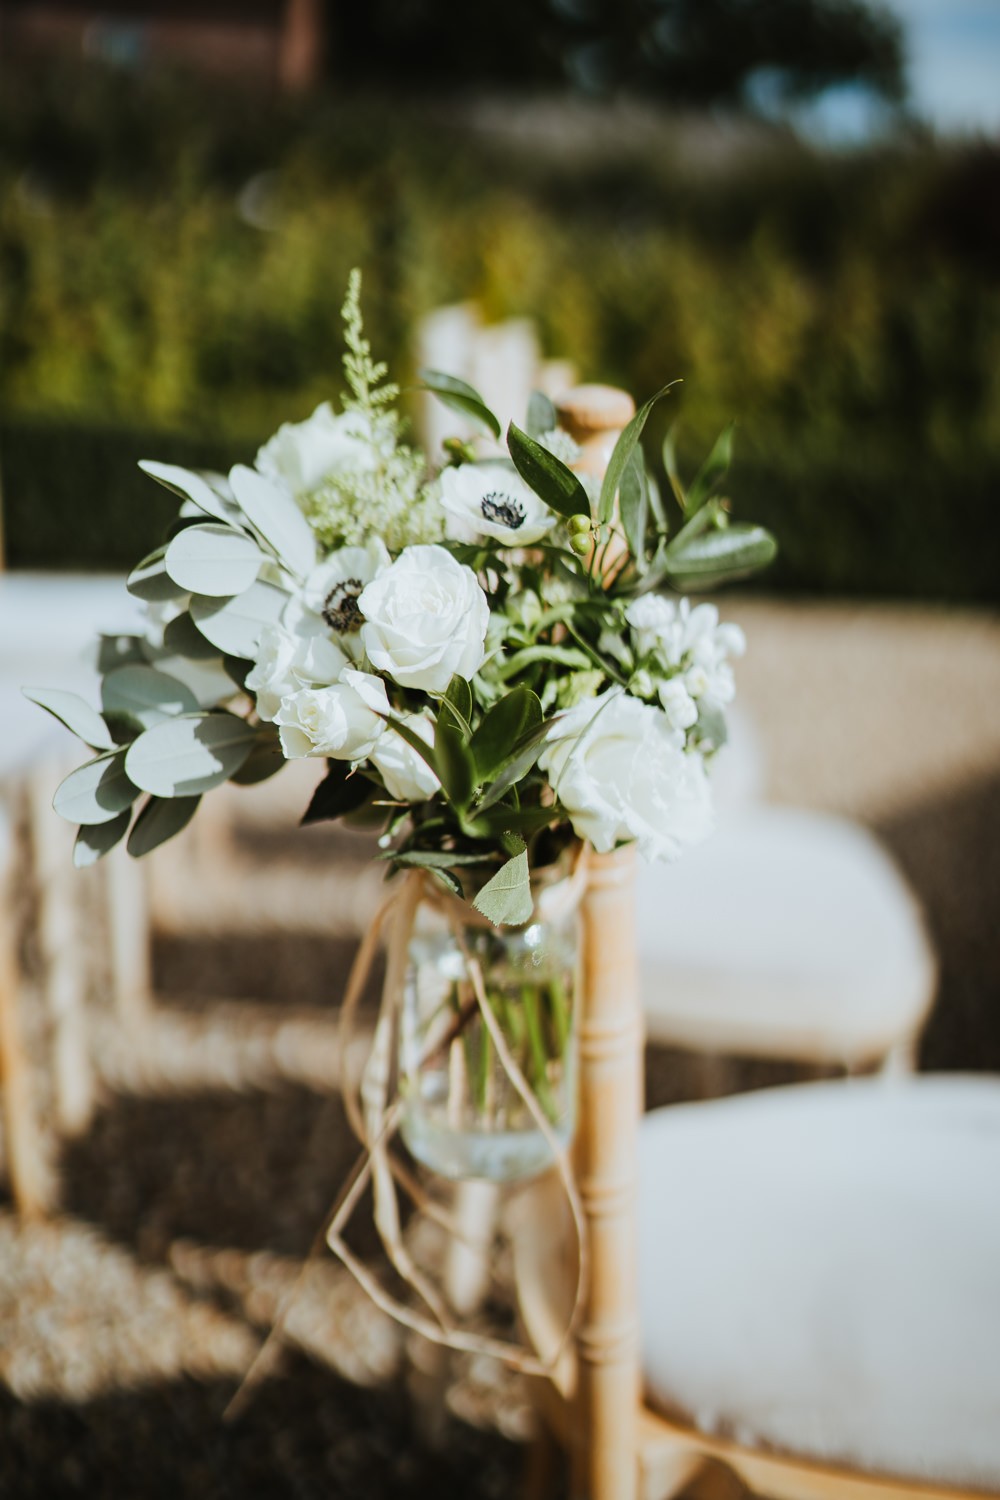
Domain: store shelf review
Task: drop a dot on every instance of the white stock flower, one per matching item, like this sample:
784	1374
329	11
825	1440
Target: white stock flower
286	662
678	704
621	773
407	777
493	500
343	721
425	620
302	454
328	601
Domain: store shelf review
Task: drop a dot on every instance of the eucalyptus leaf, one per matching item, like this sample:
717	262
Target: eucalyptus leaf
96	792
718	555
215	560
341	791
276	518
264	761
542	416
181	637
187	756
459	396
712	725
622	452
505	900
209	492
145	695
150	580
713	470
158	821
507	722
116	650
95	840
547	475
234	626
633	503
75	713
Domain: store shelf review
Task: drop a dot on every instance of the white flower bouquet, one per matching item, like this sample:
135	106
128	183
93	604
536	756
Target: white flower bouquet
484	654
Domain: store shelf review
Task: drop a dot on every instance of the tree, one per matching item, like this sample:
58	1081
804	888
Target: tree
681	52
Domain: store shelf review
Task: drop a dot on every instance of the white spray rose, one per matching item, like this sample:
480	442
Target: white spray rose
286	662
425	620
302	454
493	500
343	721
621	773
407	777
328	602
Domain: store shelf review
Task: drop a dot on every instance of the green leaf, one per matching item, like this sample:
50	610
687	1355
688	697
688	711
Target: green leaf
505	900
712	725
145	696
94	840
234	626
542	416
215	560
719	555
456	767
459	396
181	637
713	470
507	722
633	501
699	523
150	580
203	489
96	792
547	475
459	700
158	821
341	791
415	742
186	756
670	465
503	819
622	452
448	882
75	713
432	859
656	503
523	757
118	650
264	761
276	518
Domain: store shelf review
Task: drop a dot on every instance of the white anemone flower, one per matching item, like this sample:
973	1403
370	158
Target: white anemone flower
493	500
328	602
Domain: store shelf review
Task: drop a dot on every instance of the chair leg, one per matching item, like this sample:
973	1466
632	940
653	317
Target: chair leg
31	1180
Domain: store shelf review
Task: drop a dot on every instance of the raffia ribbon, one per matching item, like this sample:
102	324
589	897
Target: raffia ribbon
373	1111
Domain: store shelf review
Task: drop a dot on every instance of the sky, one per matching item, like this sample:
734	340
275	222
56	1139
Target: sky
954	72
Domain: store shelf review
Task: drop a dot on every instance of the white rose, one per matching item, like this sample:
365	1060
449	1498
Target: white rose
621	773
302	454
285	663
407	777
493	500
343	721
425	620
329	598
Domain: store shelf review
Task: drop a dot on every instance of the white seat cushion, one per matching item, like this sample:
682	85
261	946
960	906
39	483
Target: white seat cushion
820	1271
788	934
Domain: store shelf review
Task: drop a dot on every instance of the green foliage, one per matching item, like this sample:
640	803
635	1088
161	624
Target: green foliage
845	308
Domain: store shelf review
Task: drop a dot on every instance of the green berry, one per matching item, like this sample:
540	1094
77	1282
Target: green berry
578	525
580	543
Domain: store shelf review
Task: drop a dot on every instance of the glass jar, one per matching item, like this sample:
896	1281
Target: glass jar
462	1113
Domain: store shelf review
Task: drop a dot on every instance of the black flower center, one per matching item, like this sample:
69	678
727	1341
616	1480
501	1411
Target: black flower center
497	506
340	607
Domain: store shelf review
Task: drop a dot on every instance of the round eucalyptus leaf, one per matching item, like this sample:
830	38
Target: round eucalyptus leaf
98	839
97	791
235	625
158	821
276	518
265	760
213	560
150	580
208	495
75	713
181	637
187	756
146	695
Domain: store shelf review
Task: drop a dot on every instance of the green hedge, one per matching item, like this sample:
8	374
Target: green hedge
846	309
